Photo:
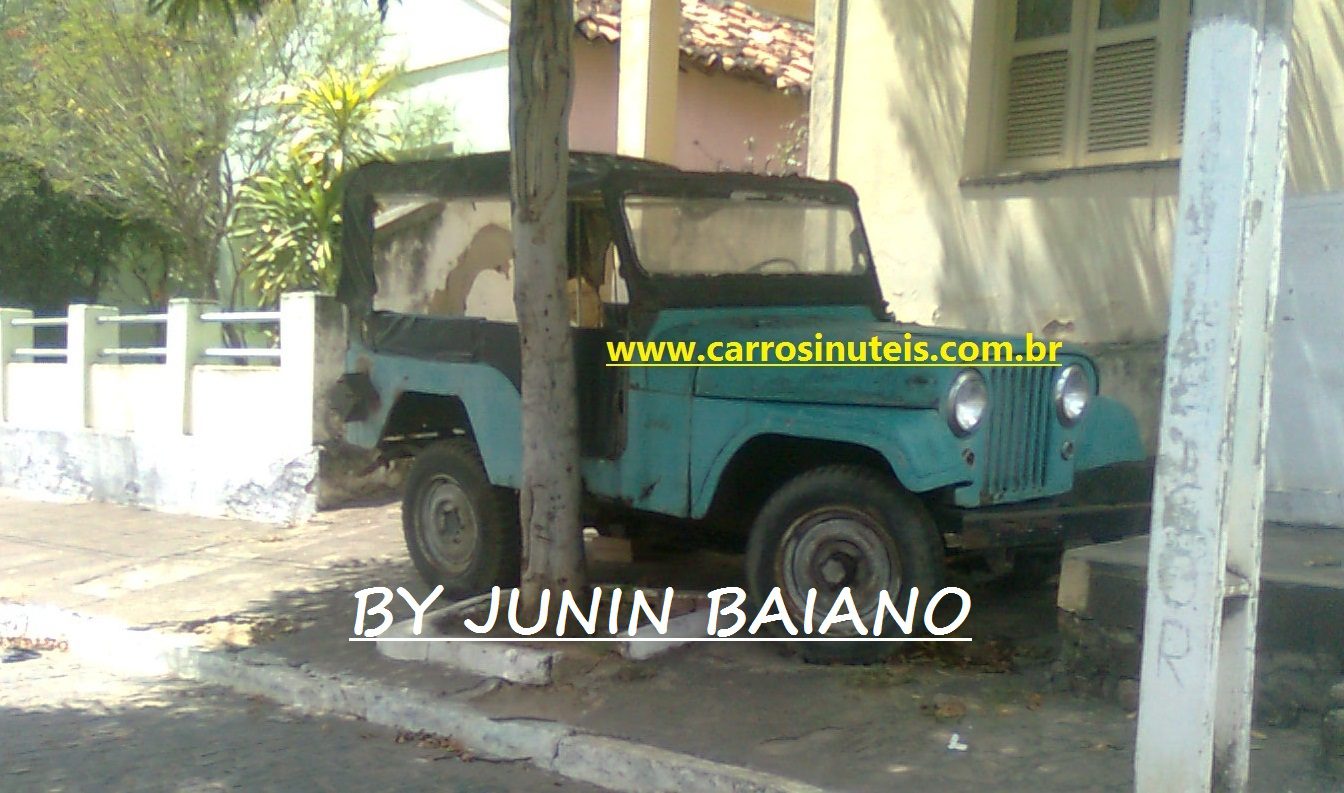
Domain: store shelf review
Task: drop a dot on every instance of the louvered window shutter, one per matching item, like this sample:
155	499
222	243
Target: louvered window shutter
1037	104
1122	97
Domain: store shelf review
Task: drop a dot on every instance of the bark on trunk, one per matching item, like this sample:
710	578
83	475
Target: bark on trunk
539	98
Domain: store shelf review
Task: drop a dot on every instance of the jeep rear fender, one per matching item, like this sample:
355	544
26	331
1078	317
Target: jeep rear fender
490	402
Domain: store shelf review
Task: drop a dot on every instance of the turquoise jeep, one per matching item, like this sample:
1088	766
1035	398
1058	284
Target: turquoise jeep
865	477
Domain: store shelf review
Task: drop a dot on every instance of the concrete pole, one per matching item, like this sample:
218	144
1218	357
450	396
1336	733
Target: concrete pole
186	339
11	338
1204	558
85	340
646	107
823	115
312	357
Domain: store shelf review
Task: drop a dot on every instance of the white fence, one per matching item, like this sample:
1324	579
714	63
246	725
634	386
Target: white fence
192	425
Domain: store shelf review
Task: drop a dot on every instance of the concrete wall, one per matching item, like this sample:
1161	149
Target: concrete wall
127	396
1305	459
189	427
467	70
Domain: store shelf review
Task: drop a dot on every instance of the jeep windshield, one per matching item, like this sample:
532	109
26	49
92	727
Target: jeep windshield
745	233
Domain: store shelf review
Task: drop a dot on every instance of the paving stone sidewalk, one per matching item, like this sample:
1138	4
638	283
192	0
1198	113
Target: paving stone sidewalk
289	593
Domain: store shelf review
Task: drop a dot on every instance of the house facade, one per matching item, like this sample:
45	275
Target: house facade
741	90
1018	164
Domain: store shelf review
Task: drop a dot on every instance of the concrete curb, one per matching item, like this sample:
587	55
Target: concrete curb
516	663
553	746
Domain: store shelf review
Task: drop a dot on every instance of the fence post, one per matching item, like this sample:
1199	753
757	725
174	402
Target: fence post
185	338
312	356
85	340
11	338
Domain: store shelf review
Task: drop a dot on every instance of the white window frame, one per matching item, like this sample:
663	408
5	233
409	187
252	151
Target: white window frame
994	47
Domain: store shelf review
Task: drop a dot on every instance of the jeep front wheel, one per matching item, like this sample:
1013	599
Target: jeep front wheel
461	531
836	527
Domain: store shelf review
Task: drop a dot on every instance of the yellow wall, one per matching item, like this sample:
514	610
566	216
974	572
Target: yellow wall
1316	105
798	9
1086	255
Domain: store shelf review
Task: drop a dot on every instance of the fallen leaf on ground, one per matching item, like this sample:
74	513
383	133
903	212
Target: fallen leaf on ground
429	740
946	706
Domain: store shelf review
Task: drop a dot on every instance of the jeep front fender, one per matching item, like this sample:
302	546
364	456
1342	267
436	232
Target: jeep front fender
916	443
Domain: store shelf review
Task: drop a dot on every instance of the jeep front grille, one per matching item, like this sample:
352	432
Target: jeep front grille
1018	433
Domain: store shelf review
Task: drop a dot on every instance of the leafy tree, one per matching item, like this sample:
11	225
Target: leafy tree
164	125
118	110
55	248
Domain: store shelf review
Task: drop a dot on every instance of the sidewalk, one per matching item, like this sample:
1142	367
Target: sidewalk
287	593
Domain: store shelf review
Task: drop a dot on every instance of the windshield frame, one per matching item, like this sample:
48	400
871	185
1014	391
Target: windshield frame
741	235
653	290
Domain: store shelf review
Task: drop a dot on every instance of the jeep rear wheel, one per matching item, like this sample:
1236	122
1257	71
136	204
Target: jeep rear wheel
461	531
836	527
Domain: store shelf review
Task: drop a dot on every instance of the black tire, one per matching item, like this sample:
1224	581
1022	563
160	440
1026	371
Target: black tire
840	526
461	531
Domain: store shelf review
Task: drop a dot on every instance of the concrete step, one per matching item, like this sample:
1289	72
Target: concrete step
1102	589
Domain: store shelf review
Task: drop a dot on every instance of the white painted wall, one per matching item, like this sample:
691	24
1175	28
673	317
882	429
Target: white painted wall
127	398
39	395
1304	480
196	433
218	390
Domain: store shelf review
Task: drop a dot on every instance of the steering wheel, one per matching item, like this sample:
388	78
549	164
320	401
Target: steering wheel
790	264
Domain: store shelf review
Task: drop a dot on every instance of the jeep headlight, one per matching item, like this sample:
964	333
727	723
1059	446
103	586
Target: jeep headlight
1073	392
967	402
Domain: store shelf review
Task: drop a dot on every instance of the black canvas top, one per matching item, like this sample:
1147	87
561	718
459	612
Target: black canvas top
468	175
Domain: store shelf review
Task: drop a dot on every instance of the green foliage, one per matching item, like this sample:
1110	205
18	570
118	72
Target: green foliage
55	248
289	215
121	111
188	12
159	124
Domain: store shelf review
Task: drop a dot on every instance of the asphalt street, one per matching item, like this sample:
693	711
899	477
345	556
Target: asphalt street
71	728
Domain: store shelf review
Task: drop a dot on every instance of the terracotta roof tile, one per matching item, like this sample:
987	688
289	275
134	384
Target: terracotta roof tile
723	34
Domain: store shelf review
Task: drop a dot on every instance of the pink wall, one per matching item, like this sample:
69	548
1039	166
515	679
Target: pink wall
716	113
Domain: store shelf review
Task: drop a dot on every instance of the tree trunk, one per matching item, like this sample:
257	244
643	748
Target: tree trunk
539	97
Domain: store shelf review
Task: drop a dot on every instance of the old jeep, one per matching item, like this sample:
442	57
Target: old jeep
865	477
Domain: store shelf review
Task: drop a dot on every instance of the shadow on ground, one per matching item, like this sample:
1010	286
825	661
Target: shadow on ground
63	728
847	728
